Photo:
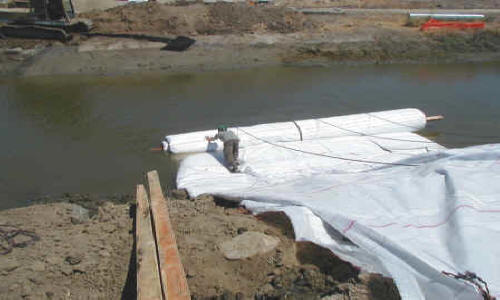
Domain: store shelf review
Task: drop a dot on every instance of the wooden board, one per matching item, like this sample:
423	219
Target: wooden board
172	274
148	276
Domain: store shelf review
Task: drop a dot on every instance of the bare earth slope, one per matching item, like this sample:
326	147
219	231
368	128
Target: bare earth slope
61	251
233	36
291	271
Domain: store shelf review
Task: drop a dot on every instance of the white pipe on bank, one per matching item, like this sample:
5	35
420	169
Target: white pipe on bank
445	16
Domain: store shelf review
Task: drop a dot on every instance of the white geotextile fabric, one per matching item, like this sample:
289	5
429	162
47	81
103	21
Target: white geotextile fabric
266	165
401	120
406	222
410	223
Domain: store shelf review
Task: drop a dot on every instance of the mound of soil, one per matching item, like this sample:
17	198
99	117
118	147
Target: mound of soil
240	18
156	18
291	271
149	17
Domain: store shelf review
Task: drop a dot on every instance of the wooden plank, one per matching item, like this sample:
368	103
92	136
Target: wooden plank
172	274
148	275
435	118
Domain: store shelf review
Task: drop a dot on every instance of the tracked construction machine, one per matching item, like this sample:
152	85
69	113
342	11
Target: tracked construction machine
47	19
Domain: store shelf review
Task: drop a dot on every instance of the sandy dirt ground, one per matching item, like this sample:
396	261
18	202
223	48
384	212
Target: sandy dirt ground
81	247
290	271
52	251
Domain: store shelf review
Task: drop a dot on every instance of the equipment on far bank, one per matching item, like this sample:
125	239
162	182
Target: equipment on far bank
436	24
418	19
447	17
47	19
55	20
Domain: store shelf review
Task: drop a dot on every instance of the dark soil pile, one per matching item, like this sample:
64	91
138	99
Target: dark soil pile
150	17
220	18
240	18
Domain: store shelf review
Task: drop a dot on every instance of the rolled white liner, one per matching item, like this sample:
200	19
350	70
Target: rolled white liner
392	121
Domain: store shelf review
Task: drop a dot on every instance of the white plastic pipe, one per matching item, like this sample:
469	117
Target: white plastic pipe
446	16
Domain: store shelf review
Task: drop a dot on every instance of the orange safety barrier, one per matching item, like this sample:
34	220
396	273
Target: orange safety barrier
432	23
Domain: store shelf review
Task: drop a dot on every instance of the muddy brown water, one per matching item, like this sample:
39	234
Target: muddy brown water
91	134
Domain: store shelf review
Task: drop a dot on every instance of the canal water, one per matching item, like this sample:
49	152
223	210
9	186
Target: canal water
90	134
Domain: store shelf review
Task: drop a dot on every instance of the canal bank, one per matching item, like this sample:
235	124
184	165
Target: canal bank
103	56
238	36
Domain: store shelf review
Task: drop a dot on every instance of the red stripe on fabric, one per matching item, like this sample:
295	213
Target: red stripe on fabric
440	223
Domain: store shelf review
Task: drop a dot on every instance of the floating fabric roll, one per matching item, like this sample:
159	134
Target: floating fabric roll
401	120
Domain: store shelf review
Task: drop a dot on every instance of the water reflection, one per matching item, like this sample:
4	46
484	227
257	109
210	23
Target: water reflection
445	74
56	107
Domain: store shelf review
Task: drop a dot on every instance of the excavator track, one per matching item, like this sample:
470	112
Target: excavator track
35	32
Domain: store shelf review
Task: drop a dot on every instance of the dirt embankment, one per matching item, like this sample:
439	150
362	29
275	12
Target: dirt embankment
234	36
290	271
386	48
196	19
62	250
